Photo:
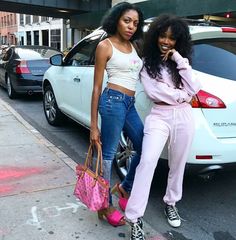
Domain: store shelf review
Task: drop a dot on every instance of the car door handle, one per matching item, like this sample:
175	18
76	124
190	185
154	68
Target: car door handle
76	79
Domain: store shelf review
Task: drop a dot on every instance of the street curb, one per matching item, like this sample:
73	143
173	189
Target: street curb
60	154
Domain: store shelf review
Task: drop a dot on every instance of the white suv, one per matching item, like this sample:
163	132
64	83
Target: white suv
67	89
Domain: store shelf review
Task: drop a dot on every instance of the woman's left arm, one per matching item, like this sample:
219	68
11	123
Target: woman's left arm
190	83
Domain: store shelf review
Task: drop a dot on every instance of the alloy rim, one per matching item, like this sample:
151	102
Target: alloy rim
9	86
124	154
49	103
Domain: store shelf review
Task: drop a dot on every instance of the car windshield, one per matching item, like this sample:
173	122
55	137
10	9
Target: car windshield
216	57
36	53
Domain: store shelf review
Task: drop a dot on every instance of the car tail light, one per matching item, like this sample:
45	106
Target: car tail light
206	100
22	67
229	29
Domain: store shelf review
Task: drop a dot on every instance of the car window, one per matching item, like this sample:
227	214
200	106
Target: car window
216	57
35	53
83	53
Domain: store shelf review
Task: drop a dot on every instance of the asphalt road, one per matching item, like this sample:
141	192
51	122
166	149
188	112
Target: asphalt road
208	207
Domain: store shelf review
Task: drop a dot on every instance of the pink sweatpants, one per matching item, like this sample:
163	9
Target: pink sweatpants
165	122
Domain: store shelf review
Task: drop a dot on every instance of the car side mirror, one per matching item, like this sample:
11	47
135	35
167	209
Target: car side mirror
56	60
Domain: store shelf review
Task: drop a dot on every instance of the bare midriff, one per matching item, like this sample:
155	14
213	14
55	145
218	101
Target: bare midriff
121	89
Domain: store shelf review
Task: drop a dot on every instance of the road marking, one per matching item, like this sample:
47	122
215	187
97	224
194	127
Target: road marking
55	211
51	211
34	221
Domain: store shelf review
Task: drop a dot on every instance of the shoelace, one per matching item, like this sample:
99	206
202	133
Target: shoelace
137	232
140	223
172	212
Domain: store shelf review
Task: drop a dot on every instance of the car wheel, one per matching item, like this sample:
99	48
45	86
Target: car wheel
123	156
10	90
53	114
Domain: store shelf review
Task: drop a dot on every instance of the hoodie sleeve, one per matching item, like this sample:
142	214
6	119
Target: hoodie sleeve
159	91
190	83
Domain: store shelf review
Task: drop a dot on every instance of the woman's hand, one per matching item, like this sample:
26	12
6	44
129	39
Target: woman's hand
168	54
95	137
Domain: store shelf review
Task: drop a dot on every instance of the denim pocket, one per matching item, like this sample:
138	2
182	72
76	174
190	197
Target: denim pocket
111	102
114	102
113	96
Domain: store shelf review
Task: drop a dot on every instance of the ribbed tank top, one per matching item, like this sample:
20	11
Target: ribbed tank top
123	68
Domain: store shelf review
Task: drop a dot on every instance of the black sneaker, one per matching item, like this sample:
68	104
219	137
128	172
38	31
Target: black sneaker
172	215
137	232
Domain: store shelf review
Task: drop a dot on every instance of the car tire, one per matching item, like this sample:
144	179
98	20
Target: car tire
123	156
10	90
53	114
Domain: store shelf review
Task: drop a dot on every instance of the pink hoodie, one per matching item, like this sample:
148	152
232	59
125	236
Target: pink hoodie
162	88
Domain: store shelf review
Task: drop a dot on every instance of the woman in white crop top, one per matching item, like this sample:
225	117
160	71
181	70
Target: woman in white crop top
115	104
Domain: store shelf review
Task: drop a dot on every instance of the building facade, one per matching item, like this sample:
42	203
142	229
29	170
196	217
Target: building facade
8	28
23	29
38	30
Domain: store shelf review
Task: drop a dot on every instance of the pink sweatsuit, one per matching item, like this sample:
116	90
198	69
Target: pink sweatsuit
173	122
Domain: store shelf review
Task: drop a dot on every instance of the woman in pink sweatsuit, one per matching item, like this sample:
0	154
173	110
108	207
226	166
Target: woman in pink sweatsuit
169	82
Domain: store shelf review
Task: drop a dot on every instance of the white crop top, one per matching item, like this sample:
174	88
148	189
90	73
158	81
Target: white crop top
123	68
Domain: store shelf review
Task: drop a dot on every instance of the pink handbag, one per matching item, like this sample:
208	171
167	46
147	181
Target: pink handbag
91	188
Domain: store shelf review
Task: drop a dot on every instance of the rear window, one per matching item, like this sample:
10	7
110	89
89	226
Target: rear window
216	57
31	54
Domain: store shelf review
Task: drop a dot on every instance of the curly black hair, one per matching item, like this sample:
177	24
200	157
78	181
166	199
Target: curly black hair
151	52
111	19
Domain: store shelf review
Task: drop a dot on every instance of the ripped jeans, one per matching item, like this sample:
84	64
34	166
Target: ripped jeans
118	113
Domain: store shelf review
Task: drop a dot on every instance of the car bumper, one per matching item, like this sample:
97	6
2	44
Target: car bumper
204	169
207	149
27	84
222	151
201	169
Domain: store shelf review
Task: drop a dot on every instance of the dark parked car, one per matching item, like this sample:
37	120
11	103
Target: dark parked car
22	68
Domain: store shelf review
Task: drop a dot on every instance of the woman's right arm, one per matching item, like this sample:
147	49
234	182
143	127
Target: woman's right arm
101	58
190	83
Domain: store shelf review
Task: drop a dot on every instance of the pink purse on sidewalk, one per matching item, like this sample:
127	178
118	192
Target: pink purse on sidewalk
91	188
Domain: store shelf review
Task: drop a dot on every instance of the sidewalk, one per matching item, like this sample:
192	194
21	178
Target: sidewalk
36	189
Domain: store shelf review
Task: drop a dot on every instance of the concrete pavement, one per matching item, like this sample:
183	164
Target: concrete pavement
36	189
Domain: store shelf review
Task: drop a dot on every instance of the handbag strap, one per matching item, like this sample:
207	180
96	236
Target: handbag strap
89	159
99	169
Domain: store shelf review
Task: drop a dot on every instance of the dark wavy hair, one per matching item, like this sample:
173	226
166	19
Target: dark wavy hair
112	17
151	52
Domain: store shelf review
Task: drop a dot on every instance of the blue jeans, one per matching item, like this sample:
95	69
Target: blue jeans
118	113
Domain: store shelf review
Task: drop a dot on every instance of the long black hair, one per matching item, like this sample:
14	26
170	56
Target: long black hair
112	17
151	52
